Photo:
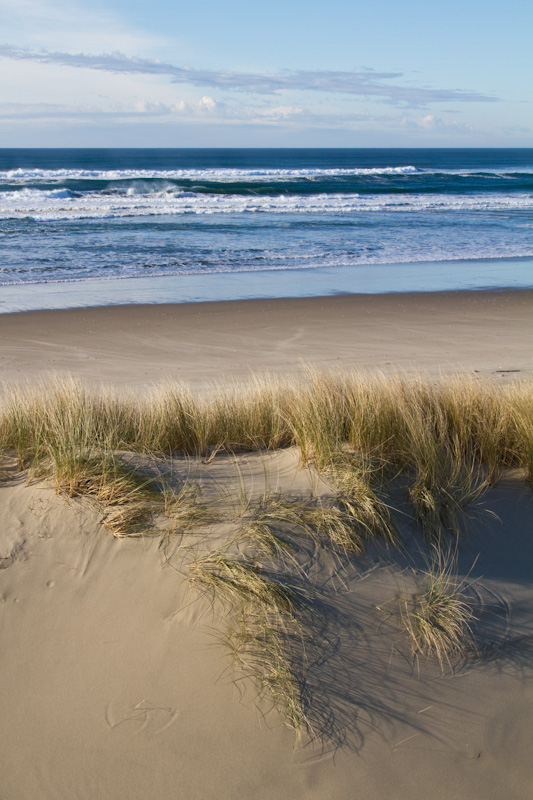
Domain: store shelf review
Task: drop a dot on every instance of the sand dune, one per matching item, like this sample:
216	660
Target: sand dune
113	684
113	680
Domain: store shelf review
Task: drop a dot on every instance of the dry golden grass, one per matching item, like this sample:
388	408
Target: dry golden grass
447	480
345	520
450	439
262	624
128	499
438	619
232	580
261	644
185	508
354	475
392	419
263	536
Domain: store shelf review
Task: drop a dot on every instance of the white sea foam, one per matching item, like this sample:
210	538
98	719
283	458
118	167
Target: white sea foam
63	205
226	174
22	176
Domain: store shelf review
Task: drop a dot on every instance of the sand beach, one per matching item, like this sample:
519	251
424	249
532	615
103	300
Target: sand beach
487	331
116	673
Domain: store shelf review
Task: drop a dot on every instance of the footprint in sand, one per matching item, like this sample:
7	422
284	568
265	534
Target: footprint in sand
143	713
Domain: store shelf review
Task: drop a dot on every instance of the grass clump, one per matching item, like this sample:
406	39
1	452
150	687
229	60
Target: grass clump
184	506
270	524
345	521
262	646
445	485
319	522
233	580
262	629
438	620
128	498
337	526
366	509
264	538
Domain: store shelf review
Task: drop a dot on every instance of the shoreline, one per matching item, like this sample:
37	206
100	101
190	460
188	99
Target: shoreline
487	332
482	274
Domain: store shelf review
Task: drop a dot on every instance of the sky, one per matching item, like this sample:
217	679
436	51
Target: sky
290	73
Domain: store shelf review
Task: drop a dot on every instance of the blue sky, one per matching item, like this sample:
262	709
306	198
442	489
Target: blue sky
288	74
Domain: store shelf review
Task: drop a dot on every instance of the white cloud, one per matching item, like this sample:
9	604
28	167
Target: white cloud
208	103
281	112
427	122
432	123
144	111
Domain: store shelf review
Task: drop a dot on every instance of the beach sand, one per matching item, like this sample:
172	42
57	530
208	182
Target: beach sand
112	681
430	332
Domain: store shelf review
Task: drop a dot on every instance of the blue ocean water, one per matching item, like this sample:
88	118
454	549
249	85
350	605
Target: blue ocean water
336	220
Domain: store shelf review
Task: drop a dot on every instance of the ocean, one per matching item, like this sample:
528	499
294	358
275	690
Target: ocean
108	226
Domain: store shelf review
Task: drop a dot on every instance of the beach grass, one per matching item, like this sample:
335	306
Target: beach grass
396	421
345	519
261	645
439	616
446	440
262	622
185	507
232	579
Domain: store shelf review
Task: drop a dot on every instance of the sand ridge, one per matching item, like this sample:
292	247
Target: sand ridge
113	684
